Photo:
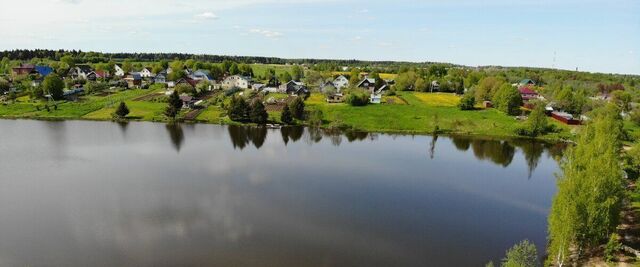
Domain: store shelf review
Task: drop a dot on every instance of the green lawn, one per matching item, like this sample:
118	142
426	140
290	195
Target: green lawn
67	110
421	115
212	114
147	111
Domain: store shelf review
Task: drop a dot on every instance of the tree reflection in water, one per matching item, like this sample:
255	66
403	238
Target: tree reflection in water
176	134
501	152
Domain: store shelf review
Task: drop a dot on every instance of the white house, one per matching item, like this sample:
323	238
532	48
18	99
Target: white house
341	82
80	72
236	81
146	73
118	71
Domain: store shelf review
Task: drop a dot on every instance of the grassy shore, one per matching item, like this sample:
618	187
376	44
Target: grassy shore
407	112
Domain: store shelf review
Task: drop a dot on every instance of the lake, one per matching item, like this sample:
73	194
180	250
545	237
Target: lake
81	193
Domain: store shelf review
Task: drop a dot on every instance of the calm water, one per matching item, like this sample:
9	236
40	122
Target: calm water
142	194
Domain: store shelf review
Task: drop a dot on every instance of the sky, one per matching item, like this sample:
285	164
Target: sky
590	35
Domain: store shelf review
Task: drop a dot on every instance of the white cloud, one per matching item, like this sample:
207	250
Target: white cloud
206	16
267	33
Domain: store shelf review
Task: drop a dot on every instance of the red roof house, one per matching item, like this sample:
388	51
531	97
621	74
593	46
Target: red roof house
527	93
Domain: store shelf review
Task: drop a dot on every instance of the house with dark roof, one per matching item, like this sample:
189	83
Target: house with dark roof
526	82
133	79
294	88
187	81
161	77
370	85
81	72
201	75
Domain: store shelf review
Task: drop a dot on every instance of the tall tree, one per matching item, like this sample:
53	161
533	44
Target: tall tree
54	86
286	116
586	208
174	105
507	99
297	108
258	113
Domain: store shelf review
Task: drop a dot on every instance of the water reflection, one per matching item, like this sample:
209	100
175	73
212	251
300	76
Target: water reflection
501	152
176	134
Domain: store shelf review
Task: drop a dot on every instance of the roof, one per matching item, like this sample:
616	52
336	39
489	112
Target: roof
44	70
100	73
84	68
186	98
73	92
25	66
370	80
524	90
188	81
134	76
527	81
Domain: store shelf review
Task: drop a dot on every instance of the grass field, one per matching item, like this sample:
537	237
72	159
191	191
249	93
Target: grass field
147	111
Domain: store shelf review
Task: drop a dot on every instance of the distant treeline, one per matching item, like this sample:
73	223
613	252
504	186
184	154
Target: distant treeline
98	57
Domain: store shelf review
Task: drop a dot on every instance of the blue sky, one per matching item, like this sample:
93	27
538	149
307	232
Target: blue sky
590	35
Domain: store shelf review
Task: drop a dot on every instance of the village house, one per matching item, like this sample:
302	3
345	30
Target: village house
370	85
236	81
118	71
133	80
340	82
526	82
435	86
328	86
201	75
146	73
187	101
161	77
23	69
258	86
294	88
187	81
81	72
528	94
43	71
335	98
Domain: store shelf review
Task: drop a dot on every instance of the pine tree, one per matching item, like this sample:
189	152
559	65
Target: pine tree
174	106
286	116
122	111
238	109
258	113
297	108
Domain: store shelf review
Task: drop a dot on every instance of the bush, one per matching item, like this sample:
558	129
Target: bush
523	254
53	85
95	87
157	86
357	98
635	116
185	89
612	247
536	124
467	102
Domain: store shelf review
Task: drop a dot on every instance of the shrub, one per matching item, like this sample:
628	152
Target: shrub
357	98
523	254
635	116
612	247
185	89
467	102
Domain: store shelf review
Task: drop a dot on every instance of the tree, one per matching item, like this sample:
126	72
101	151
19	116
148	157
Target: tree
537	123
623	99
586	208
297	73
122	111
487	87
315	118
285	77
421	85
467	102
53	85
354	76
238	109
507	99
286	116
297	108
183	88
174	106
523	254
406	81
127	66
234	70
258	113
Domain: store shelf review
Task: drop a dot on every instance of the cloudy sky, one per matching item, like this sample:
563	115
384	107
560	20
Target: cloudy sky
591	35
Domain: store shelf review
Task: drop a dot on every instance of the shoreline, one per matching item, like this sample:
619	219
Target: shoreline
388	132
